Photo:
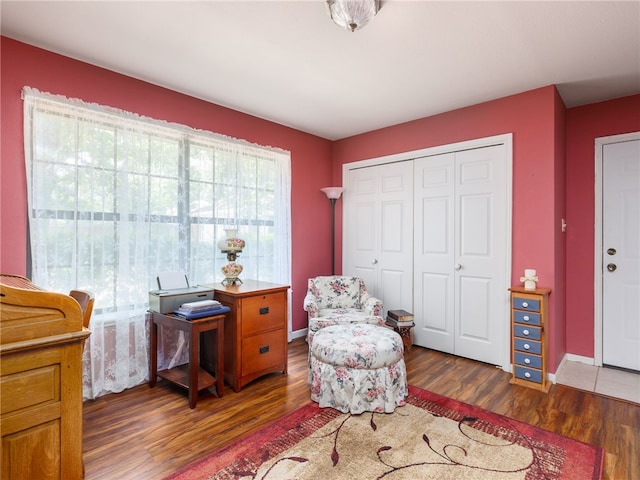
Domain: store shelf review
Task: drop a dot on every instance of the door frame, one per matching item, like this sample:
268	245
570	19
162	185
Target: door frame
505	139
600	142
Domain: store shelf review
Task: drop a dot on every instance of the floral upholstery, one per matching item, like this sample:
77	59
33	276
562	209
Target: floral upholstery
358	368
336	300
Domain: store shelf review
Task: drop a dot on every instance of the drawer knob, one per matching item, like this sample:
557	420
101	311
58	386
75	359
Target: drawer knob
526	318
526	346
527	374
525	332
264	349
264	310
527	361
525	304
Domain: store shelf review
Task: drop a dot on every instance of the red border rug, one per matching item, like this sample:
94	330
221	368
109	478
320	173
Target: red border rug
432	437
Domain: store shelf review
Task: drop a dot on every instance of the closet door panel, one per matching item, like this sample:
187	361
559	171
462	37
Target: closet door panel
481	242
379	246
434	301
434	252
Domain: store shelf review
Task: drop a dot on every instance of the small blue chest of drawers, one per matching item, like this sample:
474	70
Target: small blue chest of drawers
529	313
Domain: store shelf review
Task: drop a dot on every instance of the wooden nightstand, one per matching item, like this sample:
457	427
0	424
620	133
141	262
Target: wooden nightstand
195	375
255	330
529	316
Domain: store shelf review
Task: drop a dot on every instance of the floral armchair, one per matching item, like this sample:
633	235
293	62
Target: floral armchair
338	300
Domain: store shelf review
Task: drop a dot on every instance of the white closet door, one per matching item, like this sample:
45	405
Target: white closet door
378	231
621	255
434	280
461	241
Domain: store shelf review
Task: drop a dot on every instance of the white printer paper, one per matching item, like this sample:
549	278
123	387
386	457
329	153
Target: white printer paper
172	280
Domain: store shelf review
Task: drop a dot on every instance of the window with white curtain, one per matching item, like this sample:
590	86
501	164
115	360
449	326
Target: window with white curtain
115	198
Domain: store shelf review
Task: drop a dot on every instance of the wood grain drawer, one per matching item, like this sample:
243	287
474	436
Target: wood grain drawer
263	352
262	313
525	331
30	388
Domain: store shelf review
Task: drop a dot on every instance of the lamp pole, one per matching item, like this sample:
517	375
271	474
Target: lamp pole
333	235
333	194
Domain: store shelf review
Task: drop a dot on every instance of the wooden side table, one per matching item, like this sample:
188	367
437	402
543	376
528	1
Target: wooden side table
191	375
255	330
405	333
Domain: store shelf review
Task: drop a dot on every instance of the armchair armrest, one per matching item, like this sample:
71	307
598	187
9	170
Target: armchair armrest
371	304
310	305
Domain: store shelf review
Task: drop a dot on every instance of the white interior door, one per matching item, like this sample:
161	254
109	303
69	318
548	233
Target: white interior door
378	231
461	244
621	254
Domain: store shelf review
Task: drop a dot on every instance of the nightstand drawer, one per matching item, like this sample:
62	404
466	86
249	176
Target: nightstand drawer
262	352
526	304
529	374
529	346
526	360
525	331
262	313
526	317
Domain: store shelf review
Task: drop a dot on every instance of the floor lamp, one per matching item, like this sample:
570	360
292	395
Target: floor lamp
333	194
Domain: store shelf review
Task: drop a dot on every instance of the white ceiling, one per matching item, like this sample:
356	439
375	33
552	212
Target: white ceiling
285	61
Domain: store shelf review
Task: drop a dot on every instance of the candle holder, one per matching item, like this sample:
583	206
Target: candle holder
530	278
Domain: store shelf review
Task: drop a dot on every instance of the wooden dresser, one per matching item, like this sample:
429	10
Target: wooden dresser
529	317
255	330
41	341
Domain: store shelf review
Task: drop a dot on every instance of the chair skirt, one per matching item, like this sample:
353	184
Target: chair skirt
358	368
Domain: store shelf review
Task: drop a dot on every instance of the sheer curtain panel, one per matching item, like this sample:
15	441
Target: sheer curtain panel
114	198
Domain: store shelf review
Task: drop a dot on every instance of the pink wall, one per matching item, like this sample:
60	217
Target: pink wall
542	177
584	125
536	120
24	65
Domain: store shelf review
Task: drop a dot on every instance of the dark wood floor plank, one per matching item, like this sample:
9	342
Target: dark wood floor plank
147	433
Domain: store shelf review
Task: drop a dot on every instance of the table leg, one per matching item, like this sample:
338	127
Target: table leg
153	364
220	369
194	365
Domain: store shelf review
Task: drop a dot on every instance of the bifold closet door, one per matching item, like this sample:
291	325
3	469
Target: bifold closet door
460	242
378	231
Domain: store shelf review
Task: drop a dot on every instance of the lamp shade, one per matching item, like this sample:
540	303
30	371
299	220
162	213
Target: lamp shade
352	14
332	193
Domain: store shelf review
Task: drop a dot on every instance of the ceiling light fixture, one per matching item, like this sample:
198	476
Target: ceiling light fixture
352	14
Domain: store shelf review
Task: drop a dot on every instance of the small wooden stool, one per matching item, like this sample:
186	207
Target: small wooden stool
405	333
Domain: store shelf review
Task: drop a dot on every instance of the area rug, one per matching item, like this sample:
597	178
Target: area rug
432	437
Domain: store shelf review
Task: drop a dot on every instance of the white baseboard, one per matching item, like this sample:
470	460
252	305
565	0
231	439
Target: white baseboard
570	357
298	334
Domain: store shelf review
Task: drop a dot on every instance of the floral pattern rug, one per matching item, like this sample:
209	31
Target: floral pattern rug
431	437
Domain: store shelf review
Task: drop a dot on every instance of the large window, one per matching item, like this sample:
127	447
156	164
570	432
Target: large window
115	198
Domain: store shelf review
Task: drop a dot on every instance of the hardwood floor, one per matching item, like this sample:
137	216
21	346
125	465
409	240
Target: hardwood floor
147	433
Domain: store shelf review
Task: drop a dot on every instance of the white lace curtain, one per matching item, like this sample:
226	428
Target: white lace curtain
115	198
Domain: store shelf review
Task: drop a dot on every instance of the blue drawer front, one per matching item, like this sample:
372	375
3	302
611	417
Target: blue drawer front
525	345
525	360
526	304
529	374
526	317
525	331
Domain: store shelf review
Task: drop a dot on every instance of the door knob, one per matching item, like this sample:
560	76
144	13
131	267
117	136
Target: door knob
612	267
375	260
458	266
611	251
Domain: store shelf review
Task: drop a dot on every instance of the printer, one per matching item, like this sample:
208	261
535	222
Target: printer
174	290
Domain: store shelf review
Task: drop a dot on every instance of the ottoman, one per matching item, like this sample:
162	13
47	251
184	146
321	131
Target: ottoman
358	368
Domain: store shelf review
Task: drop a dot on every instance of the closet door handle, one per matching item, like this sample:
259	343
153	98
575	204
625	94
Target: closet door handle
375	261
458	266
